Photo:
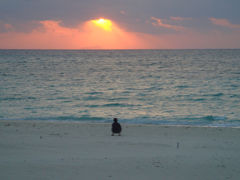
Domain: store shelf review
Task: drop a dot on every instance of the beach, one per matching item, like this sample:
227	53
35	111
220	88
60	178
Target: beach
73	150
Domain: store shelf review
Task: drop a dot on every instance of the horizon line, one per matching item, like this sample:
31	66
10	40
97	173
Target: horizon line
120	49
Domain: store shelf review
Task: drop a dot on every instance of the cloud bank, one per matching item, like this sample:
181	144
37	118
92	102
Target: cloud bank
64	24
224	23
51	34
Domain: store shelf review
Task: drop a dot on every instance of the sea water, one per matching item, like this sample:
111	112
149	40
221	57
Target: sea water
173	87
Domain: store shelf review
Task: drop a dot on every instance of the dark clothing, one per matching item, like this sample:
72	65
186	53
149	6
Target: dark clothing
116	127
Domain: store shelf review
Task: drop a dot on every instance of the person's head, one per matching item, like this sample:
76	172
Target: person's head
115	119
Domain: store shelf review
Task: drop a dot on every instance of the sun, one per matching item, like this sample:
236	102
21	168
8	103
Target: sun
105	24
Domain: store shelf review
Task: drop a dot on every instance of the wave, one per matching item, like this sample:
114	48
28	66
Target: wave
16	98
234	96
214	118
118	105
66	118
214	95
112	105
211	121
182	86
91	98
94	93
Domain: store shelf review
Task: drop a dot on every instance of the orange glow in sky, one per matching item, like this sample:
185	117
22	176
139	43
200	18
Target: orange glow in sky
103	33
106	24
92	34
106	34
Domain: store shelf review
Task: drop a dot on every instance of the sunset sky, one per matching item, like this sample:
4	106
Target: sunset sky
119	24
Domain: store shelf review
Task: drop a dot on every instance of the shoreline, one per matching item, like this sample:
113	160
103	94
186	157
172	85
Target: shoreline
110	122
77	150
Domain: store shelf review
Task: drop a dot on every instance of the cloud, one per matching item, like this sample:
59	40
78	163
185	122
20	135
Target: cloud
224	23
180	18
122	12
195	40
5	27
52	34
159	23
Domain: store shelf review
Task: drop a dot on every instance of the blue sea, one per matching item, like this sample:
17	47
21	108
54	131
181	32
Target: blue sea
167	87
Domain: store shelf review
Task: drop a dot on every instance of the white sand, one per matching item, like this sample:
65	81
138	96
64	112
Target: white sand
32	150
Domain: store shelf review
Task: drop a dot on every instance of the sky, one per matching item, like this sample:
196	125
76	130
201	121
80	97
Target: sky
132	24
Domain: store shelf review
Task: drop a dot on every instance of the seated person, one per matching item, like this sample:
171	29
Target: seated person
116	127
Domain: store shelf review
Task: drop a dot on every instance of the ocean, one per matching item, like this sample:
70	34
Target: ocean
167	87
